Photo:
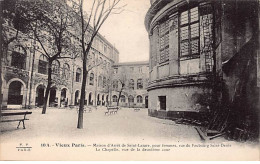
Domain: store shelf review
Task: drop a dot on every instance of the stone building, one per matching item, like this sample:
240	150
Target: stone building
203	58
24	74
131	78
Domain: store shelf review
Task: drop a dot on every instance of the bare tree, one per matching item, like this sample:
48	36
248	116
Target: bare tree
50	23
99	12
121	78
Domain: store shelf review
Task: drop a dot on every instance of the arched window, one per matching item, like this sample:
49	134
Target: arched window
78	75
55	67
130	99
105	64
140	84
42	66
91	79
100	81
66	71
115	84
131	84
114	98
139	99
104	82
100	61
122	98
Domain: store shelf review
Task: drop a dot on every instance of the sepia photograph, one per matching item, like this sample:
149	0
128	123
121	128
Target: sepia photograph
129	80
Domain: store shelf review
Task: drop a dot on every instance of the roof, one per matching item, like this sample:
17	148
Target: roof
132	63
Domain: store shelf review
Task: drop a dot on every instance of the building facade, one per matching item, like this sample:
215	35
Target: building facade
130	81
24	74
203	57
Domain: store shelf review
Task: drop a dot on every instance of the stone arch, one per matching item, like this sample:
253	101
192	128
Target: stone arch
39	94
16	98
76	97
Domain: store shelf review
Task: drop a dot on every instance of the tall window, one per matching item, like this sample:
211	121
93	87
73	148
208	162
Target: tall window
66	71
139	99
164	41
78	75
122	98
18	60
115	70
140	84
189	33
114	98
131	84
115	84
56	67
100	81
105	64
91	79
104	82
132	69
140	70
42	66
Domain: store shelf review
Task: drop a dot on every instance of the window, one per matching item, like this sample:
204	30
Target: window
104	82
132	69
114	98
42	66
78	75
115	70
100	81
139	99
18	60
115	84
131	84
140	70
130	99
162	102
164	41
66	71
91	79
140	84
105	64
55	67
105	48
122	98
189	32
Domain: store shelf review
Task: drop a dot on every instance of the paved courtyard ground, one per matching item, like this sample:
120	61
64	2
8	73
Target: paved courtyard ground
127	124
125	127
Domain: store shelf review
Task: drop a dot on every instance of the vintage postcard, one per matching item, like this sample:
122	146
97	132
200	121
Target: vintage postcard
129	80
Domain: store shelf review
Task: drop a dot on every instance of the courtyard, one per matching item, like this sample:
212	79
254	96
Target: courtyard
56	132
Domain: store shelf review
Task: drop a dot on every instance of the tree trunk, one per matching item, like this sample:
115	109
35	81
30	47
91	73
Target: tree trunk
1	56
120	92
47	89
82	95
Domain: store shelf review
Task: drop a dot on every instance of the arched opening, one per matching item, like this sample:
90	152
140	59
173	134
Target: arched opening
131	101
107	100
90	101
98	101
15	96
76	102
39	96
103	102
146	101
53	100
63	98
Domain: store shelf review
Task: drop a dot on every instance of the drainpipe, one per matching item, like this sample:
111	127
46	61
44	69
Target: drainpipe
30	89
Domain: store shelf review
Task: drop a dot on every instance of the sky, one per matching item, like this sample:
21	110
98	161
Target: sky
127	31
